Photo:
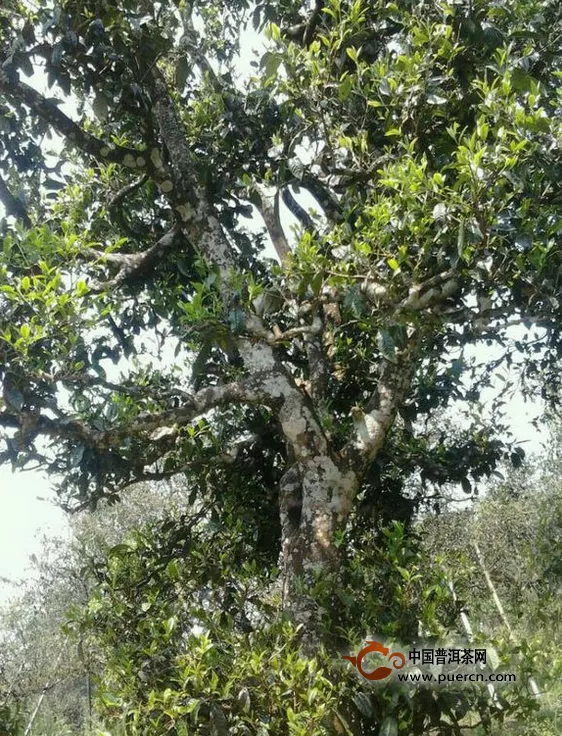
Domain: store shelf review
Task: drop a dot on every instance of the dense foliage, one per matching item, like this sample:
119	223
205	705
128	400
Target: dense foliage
147	174
428	135
181	630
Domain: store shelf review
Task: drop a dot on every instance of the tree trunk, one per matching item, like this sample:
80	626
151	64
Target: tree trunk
315	497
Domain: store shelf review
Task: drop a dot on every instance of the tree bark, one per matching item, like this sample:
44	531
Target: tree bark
315	497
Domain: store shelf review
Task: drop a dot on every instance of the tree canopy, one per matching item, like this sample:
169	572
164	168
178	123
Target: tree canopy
144	333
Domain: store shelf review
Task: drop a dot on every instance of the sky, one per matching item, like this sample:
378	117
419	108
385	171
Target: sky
28	512
27	500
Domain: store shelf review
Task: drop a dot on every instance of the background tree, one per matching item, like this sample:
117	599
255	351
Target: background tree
38	658
516	530
39	664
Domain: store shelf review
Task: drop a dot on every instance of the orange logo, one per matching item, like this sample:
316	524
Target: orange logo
380	672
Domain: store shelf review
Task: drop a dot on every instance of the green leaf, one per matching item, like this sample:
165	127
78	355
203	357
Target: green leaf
13	397
100	106
389	727
236	321
296	167
461	239
170	624
109	699
270	62
56	54
244	700
385	344
54	184
363	703
456	367
440	211
9	291
173	570
200	361
316	283
24	63
183	68
354	301
274	32
434	99
81	288
76	456
119	550
219	724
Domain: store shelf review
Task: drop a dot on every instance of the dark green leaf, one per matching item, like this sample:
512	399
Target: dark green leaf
236	321
389	727
13	397
183	67
76	456
56	54
354	301
24	63
200	361
385	344
364	705
100	106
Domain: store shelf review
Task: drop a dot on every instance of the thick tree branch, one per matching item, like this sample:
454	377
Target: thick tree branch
173	136
119	196
87	380
49	111
132	266
325	198
254	326
199	222
312	23
373	423
223	459
318	367
116	210
268	207
298	211
424	295
257	389
431	291
303	33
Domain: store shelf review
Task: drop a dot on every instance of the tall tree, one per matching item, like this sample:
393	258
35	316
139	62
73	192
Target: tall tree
143	333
